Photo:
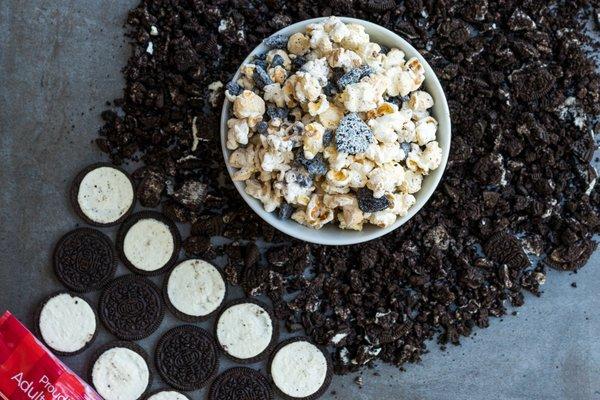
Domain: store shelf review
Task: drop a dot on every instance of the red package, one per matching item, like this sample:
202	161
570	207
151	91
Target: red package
29	371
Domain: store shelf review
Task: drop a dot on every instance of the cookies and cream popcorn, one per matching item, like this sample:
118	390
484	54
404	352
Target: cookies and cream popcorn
333	126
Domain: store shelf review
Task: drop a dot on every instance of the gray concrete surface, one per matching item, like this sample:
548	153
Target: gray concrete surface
59	62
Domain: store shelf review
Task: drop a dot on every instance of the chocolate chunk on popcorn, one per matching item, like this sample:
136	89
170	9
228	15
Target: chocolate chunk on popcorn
369	204
276	42
353	135
261	77
354	76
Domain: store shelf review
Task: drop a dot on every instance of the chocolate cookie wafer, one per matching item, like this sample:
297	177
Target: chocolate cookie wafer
131	307
240	384
187	357
84	260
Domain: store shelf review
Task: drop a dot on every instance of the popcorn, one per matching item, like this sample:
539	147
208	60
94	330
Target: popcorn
342	58
361	96
320	41
296	190
387	127
337	160
243	158
351	218
306	87
337	29
356	37
420	101
274	94
348	151
384	153
426	160
331	117
384	179
339	178
394	58
238	133
248	105
319	69
298	44
273	160
412	182
277	74
401	203
401	82
425	130
313	140
334	201
318	107
382	219
264	192
317	214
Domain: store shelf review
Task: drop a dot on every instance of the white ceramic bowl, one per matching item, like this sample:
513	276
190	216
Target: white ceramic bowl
331	234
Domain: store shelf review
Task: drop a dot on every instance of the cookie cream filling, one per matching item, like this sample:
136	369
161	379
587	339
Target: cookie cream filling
196	288
149	244
167	395
67	323
245	330
299	369
105	195
120	374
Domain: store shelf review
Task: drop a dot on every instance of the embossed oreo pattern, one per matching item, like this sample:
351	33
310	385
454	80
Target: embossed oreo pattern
240	384
84	260
187	358
131	308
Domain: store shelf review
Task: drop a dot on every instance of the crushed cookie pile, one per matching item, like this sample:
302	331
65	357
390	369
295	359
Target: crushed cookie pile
518	194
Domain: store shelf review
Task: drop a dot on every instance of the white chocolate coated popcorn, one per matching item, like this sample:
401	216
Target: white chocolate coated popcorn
289	154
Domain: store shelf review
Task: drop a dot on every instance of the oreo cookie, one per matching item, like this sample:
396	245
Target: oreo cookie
131	307
103	194
187	357
299	369
166	394
506	249
194	290
66	323
84	260
240	383
148	243
246	330
120	370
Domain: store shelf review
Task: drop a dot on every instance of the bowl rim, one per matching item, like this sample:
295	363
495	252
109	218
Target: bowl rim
314	235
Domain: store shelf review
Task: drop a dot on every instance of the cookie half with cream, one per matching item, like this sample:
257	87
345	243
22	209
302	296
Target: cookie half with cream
246	330
194	290
103	194
299	369
120	371
66	323
148	243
